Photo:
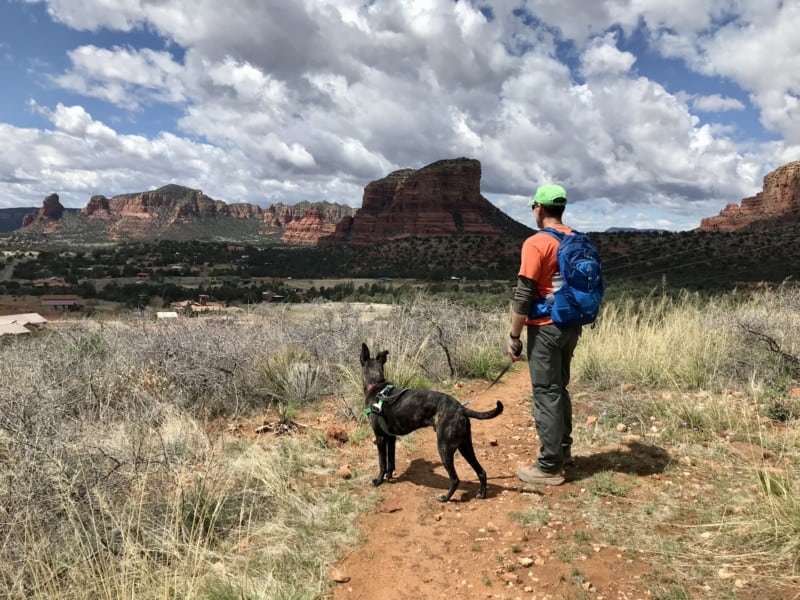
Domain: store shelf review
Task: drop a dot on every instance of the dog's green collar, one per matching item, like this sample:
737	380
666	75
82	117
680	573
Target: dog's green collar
382	396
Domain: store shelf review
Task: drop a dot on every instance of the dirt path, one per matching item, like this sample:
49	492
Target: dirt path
416	547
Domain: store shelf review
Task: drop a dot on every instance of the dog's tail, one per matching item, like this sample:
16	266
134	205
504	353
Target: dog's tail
489	414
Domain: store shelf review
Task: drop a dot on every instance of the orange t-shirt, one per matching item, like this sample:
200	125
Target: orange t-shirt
539	263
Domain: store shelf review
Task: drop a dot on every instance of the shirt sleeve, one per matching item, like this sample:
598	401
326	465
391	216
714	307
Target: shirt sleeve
523	295
532	259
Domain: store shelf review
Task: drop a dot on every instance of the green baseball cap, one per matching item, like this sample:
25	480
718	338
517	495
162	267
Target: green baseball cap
549	194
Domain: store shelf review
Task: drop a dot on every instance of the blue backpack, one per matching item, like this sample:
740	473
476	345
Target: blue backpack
578	300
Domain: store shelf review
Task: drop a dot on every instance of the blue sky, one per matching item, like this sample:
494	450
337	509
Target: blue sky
652	113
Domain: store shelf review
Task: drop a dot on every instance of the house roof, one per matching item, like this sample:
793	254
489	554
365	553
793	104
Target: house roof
22	319
13	329
59	300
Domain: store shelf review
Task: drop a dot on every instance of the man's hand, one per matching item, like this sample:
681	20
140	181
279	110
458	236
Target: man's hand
514	350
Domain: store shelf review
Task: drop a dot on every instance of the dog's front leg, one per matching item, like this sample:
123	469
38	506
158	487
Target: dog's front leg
382	442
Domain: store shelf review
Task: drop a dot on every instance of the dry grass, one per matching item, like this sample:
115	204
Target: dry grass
699	381
112	486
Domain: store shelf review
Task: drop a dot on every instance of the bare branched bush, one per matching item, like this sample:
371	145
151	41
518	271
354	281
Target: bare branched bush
444	340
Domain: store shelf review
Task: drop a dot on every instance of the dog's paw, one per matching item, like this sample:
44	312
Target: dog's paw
442	498
481	495
377	481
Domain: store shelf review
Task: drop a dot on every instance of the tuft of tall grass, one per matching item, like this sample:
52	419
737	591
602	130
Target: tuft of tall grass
289	380
692	342
776	526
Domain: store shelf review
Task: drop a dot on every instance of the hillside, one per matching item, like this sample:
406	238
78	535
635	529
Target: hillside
11	218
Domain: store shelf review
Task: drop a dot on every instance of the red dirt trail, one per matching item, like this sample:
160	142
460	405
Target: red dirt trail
418	548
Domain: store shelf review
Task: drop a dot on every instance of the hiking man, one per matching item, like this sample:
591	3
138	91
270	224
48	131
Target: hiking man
549	346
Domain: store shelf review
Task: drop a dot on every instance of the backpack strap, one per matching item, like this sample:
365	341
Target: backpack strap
553	232
559	235
540	300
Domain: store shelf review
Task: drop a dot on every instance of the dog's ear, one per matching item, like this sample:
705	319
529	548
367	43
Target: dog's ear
364	353
381	356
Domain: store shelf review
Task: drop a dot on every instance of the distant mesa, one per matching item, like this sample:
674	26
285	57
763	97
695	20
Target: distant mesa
779	200
178	212
11	218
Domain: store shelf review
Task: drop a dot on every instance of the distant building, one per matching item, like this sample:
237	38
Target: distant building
193	307
63	302
166	314
50	282
270	296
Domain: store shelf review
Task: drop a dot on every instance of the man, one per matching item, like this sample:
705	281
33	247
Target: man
550	347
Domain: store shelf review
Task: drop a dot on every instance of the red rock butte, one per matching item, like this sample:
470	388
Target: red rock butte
779	200
440	199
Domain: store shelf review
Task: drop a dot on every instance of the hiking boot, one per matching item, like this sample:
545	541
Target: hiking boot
535	475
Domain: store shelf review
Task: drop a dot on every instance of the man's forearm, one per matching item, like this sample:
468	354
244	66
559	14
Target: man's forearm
517	323
521	303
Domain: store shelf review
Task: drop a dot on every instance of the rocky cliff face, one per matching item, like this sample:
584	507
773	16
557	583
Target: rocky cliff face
441	199
778	200
307	229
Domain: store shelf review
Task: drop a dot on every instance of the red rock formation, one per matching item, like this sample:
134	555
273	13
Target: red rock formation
308	229
277	216
97	209
441	199
47	218
778	200
161	212
281	217
243	210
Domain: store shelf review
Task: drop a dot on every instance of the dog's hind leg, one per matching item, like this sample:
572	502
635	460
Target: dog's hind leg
468	452
447	454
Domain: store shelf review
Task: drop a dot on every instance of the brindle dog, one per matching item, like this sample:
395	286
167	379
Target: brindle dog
399	412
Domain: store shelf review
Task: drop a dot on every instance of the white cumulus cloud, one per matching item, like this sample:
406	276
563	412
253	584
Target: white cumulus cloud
311	99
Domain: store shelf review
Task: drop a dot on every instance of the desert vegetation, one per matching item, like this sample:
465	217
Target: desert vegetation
238	272
122	476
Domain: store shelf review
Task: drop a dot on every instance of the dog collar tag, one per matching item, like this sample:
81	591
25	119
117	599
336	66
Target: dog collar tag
375	408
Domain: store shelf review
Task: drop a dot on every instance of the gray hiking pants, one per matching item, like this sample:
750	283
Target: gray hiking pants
550	350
